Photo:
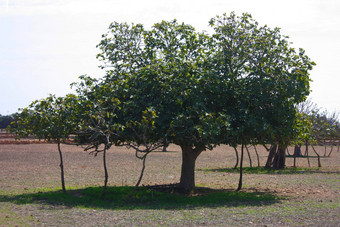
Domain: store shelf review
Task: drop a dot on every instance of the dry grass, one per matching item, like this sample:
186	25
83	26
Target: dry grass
310	198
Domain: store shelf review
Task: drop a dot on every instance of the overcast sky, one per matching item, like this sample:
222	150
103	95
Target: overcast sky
47	44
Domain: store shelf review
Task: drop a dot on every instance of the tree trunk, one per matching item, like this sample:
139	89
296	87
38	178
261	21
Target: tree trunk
106	146
297	151
61	168
280	158
241	171
330	151
250	162
308	158
140	176
189	156
164	148
307	155
105	171
307	144
257	156
236	164
272	152
319	161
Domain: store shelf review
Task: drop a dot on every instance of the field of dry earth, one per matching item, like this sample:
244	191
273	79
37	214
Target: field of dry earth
302	198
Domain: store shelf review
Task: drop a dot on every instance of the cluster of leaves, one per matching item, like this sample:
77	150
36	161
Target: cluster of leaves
49	119
264	76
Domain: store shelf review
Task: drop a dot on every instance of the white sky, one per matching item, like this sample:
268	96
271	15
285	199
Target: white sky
46	44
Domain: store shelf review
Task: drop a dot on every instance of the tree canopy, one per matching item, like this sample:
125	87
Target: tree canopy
238	85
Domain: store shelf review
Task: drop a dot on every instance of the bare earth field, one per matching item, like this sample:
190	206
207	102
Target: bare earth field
302	198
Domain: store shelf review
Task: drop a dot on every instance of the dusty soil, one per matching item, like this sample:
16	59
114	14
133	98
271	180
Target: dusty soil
306	199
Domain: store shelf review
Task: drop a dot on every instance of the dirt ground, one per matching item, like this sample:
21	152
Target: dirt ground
307	199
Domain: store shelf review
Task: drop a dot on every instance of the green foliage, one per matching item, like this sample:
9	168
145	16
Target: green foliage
263	79
238	85
164	69
52	118
264	170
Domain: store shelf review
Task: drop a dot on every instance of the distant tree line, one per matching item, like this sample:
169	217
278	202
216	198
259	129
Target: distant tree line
6	120
321	128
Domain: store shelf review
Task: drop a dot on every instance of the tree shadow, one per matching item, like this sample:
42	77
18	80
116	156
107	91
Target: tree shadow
264	170
145	198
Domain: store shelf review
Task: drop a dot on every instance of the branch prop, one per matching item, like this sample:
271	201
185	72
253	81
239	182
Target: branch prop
141	174
250	161
319	161
257	155
149	147
265	146
241	170
104	164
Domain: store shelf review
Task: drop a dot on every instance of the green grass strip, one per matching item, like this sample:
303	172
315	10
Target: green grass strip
263	170
145	198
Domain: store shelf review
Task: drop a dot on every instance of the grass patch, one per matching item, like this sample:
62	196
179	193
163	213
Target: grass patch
311	156
263	170
145	198
9	218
